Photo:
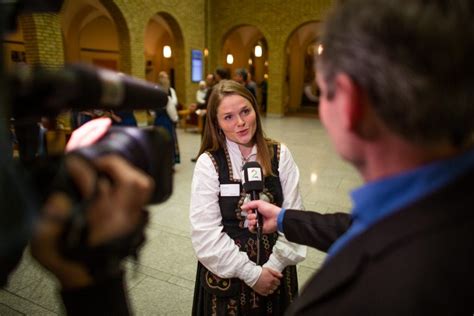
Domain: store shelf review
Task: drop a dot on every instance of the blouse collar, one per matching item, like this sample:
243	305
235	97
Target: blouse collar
234	150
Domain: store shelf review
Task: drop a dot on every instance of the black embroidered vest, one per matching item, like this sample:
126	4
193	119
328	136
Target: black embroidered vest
220	296
232	217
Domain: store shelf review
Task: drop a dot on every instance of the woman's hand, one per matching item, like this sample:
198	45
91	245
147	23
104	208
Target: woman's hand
268	282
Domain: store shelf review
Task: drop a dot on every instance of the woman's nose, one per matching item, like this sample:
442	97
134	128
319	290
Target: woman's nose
240	121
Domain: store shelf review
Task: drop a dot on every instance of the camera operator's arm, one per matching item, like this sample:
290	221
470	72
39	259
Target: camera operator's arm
115	211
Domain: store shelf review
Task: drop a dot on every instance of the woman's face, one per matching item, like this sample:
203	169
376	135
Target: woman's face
164	80
237	119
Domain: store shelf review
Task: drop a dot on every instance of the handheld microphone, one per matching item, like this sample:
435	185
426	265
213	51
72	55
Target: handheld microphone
39	91
253	179
253	184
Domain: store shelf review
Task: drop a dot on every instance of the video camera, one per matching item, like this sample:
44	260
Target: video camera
39	92
30	93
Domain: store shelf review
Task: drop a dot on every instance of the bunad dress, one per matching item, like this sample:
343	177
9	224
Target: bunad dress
226	249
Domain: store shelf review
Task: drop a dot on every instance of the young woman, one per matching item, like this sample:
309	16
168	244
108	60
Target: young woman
228	281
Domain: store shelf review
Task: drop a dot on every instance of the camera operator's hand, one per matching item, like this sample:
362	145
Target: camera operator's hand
115	210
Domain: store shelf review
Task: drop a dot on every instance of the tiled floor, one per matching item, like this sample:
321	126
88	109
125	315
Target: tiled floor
162	282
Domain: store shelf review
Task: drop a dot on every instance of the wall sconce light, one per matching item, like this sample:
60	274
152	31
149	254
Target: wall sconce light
258	50
206	52
230	59
266	63
166	51
320	49
250	61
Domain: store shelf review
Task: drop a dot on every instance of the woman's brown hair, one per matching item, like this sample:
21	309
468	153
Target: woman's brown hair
214	138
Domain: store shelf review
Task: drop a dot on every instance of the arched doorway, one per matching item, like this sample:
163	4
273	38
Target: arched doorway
301	49
164	51
95	32
249	50
90	34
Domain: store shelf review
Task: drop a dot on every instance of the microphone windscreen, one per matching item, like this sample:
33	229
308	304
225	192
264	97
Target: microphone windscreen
107	89
253	177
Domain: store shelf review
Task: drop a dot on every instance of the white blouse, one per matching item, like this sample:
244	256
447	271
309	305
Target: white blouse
214	248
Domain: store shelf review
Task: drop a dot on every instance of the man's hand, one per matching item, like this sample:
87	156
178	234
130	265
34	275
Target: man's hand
268	282
115	211
118	209
268	211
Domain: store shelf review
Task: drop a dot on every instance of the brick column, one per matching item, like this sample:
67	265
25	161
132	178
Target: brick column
43	39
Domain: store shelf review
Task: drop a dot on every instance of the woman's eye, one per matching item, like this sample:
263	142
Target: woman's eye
227	117
246	111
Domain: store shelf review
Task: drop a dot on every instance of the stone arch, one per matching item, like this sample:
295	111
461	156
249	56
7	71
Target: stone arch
123	34
163	29
299	63
249	35
240	41
80	17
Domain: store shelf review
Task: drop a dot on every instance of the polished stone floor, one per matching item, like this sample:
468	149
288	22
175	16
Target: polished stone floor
162	281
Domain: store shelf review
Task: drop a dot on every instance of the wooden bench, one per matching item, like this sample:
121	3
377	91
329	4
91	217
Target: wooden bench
186	123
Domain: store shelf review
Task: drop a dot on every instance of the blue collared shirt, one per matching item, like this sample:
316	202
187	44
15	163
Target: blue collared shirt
376	200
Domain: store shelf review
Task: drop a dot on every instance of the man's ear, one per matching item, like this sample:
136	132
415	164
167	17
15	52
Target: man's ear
350	103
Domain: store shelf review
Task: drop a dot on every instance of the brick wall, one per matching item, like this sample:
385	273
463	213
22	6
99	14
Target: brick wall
199	23
187	19
276	19
43	40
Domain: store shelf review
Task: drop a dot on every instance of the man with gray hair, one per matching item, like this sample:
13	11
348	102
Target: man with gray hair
397	100
242	76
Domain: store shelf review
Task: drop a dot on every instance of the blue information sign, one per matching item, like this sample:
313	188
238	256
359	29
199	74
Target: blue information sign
196	65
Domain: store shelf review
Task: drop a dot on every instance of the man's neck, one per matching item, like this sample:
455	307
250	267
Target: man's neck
394	155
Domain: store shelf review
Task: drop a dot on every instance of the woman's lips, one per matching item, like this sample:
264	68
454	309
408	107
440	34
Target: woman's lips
243	133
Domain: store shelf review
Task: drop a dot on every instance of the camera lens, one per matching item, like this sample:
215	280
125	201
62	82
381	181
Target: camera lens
147	149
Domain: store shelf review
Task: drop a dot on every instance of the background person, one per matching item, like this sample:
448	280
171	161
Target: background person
201	94
220	74
407	248
310	96
228	280
196	109
123	118
251	85
242	76
168	117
